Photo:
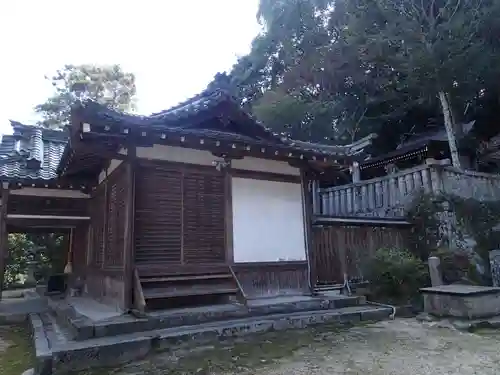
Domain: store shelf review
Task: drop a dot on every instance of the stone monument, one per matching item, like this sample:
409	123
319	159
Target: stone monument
495	267
435	271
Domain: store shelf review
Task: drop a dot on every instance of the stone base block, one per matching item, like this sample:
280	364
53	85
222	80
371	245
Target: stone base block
462	301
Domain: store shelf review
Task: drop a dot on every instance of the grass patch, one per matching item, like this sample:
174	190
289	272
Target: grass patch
16	354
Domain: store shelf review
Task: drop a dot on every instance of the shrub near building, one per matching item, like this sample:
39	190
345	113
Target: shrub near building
396	275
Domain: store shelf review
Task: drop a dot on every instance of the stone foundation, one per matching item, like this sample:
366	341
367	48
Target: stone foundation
66	342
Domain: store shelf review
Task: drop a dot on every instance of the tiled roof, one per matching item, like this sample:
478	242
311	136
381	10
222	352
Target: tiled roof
416	144
34	153
179	119
31	153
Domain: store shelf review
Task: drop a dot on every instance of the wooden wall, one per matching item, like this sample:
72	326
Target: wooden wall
79	237
106	270
339	249
270	279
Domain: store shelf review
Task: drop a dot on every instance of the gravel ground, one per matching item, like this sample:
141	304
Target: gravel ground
399	347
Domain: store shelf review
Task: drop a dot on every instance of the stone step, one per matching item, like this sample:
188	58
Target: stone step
63	355
81	328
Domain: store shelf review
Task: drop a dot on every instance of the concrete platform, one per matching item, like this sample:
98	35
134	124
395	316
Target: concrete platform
13	310
462	301
58	352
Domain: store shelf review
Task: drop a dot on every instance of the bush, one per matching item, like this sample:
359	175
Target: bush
396	275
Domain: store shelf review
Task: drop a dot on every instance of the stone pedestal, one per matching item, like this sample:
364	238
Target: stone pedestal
462	301
435	271
495	267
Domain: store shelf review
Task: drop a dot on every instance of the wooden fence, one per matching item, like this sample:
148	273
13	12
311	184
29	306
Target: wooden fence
390	196
344	249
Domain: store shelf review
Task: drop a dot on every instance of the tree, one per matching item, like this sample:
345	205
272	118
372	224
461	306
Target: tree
18	255
108	85
302	78
440	48
338	70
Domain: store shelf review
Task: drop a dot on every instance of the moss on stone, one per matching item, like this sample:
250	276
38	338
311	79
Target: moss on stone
447	221
232	355
16	354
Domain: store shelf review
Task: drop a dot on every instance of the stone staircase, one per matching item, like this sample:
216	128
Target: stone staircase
67	342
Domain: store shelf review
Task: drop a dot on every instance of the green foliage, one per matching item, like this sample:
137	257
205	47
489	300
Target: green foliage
456	267
108	85
48	250
396	275
473	218
426	233
339	70
19	246
479	219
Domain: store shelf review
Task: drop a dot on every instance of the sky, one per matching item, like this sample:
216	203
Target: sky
174	47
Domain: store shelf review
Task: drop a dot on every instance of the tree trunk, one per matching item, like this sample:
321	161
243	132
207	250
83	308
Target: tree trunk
450	129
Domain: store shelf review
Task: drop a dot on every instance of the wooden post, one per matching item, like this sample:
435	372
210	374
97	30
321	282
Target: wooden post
228	215
316	198
3	235
129	252
307	211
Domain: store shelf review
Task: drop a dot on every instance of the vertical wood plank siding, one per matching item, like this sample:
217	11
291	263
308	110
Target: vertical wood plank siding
272	279
116	217
97	203
179	215
203	218
158	214
345	249
79	249
106	269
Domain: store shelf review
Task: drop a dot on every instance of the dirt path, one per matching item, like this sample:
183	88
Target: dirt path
400	347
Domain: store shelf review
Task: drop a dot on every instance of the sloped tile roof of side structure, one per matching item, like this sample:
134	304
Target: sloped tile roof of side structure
31	153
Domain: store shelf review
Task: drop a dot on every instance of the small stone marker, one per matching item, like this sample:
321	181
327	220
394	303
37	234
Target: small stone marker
435	271
495	267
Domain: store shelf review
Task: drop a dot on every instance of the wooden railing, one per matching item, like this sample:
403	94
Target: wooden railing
390	196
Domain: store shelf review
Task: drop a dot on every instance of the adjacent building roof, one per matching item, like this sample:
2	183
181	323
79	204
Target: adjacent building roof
31	153
415	145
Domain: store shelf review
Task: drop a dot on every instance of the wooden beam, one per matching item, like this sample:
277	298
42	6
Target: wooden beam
132	286
3	236
229	155
307	210
268	176
45	217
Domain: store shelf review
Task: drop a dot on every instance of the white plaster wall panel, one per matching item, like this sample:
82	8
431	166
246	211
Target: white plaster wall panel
112	166
176	154
264	165
268	221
